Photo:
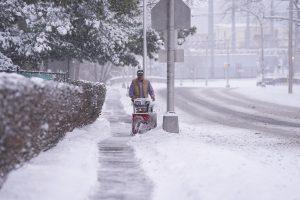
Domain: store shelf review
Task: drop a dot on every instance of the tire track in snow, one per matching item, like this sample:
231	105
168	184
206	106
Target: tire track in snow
276	114
231	97
203	110
238	114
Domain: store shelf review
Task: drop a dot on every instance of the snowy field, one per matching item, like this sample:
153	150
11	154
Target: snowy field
67	171
212	161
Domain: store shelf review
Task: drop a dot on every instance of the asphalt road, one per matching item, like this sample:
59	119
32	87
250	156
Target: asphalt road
226	107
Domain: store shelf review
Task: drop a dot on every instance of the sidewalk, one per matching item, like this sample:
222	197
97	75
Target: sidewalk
120	174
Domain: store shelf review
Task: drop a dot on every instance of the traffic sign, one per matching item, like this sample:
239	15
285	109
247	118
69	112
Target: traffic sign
159	15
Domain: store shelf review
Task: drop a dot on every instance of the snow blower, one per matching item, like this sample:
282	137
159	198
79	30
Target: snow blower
143	118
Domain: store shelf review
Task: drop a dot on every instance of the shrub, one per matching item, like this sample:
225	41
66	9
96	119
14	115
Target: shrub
35	114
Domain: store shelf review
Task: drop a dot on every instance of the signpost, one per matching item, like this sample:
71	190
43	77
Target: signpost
290	51
171	15
145	53
179	56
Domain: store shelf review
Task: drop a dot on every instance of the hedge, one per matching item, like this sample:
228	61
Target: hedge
36	114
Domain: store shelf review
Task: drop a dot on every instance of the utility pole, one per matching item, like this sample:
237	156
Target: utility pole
170	120
171	57
227	65
150	67
206	63
233	27
262	53
145	36
165	19
211	36
297	36
248	31
272	13
290	50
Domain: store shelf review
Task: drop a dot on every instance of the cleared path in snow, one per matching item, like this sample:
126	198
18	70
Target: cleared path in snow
120	174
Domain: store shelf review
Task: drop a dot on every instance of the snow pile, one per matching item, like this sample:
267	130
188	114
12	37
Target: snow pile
67	171
215	163
35	114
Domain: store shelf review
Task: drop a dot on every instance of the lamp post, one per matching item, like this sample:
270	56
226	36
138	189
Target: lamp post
145	36
290	51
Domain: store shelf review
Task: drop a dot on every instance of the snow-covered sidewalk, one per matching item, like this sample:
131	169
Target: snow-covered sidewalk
219	164
211	161
67	171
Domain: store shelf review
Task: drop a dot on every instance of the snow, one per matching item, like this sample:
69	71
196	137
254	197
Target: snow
205	160
212	164
46	22
6	63
62	30
277	94
67	171
274	94
170	114
211	161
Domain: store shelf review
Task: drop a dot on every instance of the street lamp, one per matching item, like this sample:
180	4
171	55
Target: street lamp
290	50
145	35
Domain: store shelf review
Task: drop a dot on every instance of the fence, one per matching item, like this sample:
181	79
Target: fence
61	77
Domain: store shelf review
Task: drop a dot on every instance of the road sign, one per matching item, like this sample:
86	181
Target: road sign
179	56
159	15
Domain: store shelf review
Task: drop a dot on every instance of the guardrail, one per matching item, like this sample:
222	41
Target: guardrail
61	77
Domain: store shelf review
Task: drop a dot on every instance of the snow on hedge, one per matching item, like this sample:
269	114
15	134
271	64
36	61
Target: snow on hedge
35	114
6	63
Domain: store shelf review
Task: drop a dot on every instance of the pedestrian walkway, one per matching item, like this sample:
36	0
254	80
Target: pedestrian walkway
120	175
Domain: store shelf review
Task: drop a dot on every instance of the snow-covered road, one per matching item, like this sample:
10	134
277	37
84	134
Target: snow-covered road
229	108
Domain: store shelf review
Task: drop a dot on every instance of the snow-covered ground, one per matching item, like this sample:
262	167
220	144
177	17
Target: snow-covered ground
208	165
275	94
212	161
220	163
67	171
207	160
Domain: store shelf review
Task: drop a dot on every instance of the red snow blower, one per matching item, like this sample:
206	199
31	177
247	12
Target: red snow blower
143	118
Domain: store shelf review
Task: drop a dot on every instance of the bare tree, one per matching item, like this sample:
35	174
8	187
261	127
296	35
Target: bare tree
255	8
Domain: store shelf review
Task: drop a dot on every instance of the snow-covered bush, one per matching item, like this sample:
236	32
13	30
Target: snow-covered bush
34	31
35	114
6	64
